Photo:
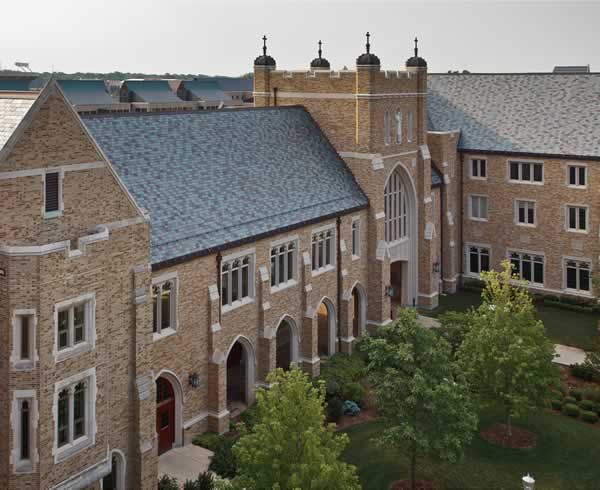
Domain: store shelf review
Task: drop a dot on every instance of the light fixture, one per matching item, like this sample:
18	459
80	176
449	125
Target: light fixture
194	380
390	291
436	267
528	482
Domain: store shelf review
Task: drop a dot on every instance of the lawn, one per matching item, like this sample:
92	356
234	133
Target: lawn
562	326
566	457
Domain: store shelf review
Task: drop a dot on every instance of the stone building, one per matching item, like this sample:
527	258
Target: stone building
156	266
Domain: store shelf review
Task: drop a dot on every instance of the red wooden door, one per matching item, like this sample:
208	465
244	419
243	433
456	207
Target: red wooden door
165	415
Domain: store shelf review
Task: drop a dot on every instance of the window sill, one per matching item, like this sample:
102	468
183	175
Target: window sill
571	186
236	304
477	178
70	352
481	220
581	232
53	214
166	332
355	257
322	270
578	292
24	466
526	225
23	365
283	285
65	452
525	182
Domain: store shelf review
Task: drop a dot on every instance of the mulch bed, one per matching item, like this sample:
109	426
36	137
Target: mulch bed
405	485
365	415
521	438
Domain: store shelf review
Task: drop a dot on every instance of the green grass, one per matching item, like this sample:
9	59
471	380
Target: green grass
562	326
566	457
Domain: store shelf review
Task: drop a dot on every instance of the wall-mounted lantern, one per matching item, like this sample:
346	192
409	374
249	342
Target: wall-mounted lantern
390	291
194	380
436	267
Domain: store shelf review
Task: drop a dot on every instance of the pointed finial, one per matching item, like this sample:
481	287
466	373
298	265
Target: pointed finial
416	47
320	51
368	43
265	45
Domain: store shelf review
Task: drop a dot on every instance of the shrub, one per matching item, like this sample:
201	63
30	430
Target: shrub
589	416
223	462
332	389
356	393
205	481
592	393
556	404
570	400
208	440
167	482
556	394
339	372
335	409
582	371
587	405
248	416
564	389
571	410
577	393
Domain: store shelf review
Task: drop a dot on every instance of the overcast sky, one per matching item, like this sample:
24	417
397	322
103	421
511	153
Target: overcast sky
223	37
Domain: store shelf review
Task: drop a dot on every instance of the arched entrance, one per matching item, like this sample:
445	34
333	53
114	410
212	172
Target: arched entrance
401	232
326	338
359	311
169	398
115	480
286	344
240	374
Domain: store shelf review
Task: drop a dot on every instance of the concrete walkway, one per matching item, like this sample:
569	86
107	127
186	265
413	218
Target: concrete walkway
184	463
565	355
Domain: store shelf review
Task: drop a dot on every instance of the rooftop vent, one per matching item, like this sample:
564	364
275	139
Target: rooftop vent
572	69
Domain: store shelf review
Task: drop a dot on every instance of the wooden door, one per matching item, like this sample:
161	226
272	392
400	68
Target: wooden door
165	415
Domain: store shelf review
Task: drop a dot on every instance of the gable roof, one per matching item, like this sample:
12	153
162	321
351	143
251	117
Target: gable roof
12	112
544	114
214	179
152	90
206	90
86	92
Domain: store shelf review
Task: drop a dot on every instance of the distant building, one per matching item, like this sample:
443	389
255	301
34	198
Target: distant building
152	96
571	69
91	96
206	92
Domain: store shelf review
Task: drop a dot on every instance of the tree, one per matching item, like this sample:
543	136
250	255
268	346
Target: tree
453	328
592	360
289	446
506	355
425	403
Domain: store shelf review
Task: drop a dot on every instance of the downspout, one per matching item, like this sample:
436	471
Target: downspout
461	249
339	282
275	96
219	260
442	196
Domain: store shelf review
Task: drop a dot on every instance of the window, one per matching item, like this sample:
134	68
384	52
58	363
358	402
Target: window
75	321
577	218
396	210
164	306
479	259
528	267
355	238
23	351
237	280
398	127
577	175
479	168
52	194
23	423
478	207
322	250
526	172
283	263
577	275
72	325
410	135
525	212
386	128
75	414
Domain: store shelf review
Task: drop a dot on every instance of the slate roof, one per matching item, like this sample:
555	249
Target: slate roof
12	112
206	90
86	92
213	179
152	90
531	113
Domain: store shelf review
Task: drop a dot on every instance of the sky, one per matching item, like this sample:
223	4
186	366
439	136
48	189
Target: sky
223	37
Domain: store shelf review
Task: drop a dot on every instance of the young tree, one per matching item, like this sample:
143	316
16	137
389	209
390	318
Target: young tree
506	355
422	398
289	446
